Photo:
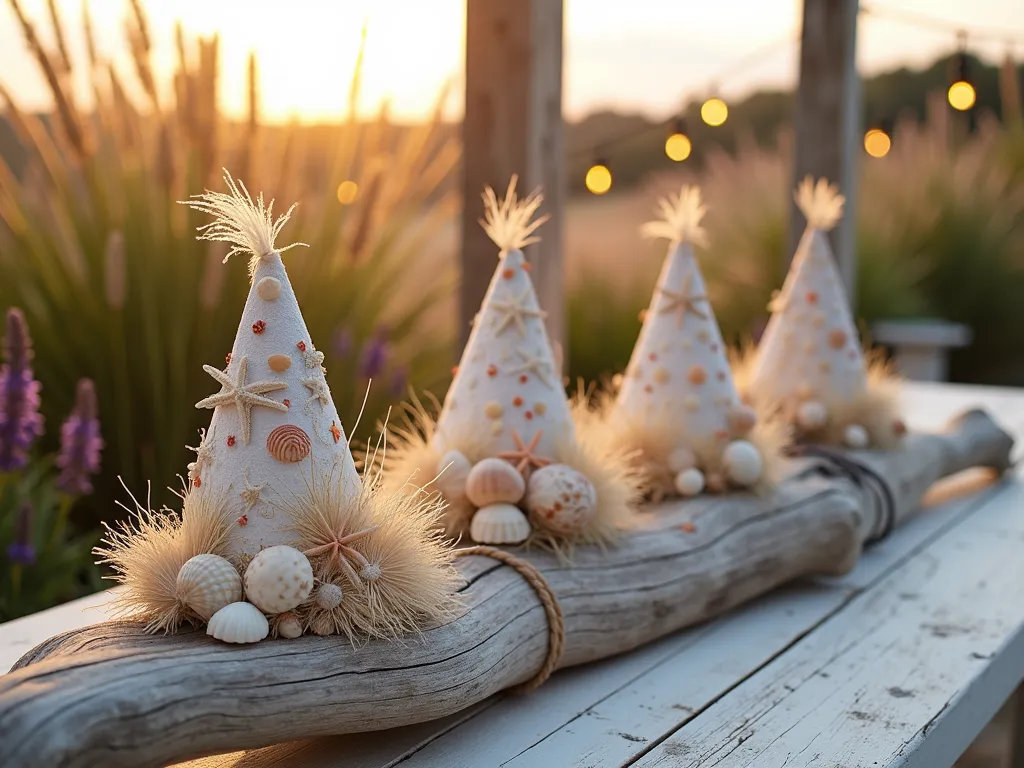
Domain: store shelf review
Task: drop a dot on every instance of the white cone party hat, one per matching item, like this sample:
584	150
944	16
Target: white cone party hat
809	365
677	401
274	422
504	442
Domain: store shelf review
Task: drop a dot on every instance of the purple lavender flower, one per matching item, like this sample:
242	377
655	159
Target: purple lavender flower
399	380
375	354
20	420
80	443
20	551
342	342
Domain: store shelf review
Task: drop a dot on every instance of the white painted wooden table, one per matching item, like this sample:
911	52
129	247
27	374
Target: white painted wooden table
899	663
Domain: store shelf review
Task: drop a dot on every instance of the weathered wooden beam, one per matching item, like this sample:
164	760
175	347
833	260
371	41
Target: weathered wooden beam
827	120
513	125
110	695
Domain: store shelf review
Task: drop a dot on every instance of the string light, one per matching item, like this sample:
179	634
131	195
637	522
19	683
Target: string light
347	192
678	145
961	94
714	111
877	142
599	178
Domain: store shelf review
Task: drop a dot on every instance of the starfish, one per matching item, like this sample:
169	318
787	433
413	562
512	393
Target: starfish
204	454
251	494
514	311
523	456
682	301
536	365
317	391
241	395
338	550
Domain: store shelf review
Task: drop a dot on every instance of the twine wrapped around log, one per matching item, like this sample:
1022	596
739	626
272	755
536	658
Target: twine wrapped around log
111	695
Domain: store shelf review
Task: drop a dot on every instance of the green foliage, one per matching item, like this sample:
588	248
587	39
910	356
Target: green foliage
61	568
115	286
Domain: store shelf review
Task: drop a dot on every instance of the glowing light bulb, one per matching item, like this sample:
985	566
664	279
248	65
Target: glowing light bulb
714	111
347	192
599	179
877	142
678	147
961	95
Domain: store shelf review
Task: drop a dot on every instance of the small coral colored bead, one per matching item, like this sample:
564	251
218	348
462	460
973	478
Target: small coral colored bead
287	403
259	327
492	370
231	441
243	520
302	346
197	481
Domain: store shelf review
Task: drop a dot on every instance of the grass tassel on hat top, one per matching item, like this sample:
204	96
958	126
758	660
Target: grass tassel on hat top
676	407
273	495
504	451
809	369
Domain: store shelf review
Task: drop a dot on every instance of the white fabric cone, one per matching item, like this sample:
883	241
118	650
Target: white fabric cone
507	391
810	348
252	481
678	377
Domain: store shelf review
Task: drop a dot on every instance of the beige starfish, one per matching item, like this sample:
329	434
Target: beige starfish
204	454
317	391
338	550
536	365
515	311
251	494
241	395
682	301
523	456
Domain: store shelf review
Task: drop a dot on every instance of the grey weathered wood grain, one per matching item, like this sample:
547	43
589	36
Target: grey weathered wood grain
110	695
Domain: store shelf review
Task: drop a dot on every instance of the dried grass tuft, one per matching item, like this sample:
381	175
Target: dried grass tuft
681	216
147	550
507	221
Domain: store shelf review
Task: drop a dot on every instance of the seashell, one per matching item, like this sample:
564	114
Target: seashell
561	499
279	363
499	524
681	459
743	462
454	468
206	583
714	482
811	415
269	288
493	481
855	436
288	443
288	625
328	596
742	419
238	623
689	482
899	427
278	579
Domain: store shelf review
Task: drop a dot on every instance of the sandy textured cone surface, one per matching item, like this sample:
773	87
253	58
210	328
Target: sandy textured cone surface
507	394
678	378
810	348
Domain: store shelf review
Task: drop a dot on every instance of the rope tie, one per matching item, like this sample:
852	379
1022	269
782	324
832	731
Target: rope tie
552	610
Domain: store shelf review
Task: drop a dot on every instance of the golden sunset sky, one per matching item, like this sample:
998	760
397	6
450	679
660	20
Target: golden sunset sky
645	55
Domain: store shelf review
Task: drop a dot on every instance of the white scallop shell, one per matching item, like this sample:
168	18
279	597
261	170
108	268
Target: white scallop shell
681	459
561	499
811	415
278	579
855	436
238	623
743	462
206	583
499	524
493	481
690	482
454	468
288	625
328	596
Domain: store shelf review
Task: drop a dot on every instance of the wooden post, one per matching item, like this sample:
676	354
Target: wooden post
513	125
828	119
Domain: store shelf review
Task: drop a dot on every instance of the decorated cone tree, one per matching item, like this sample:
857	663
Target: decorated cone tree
677	403
504	447
274	508
809	366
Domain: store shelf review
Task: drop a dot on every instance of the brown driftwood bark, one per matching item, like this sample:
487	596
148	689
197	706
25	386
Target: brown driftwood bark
111	695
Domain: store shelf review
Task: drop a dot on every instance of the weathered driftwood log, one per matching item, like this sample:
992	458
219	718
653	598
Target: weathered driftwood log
110	695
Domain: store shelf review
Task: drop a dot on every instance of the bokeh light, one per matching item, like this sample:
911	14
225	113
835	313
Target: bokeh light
599	179
961	95
347	192
714	111
678	147
877	142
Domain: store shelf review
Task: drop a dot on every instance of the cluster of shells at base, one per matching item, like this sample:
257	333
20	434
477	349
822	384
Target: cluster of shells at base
277	581
508	504
742	464
810	416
